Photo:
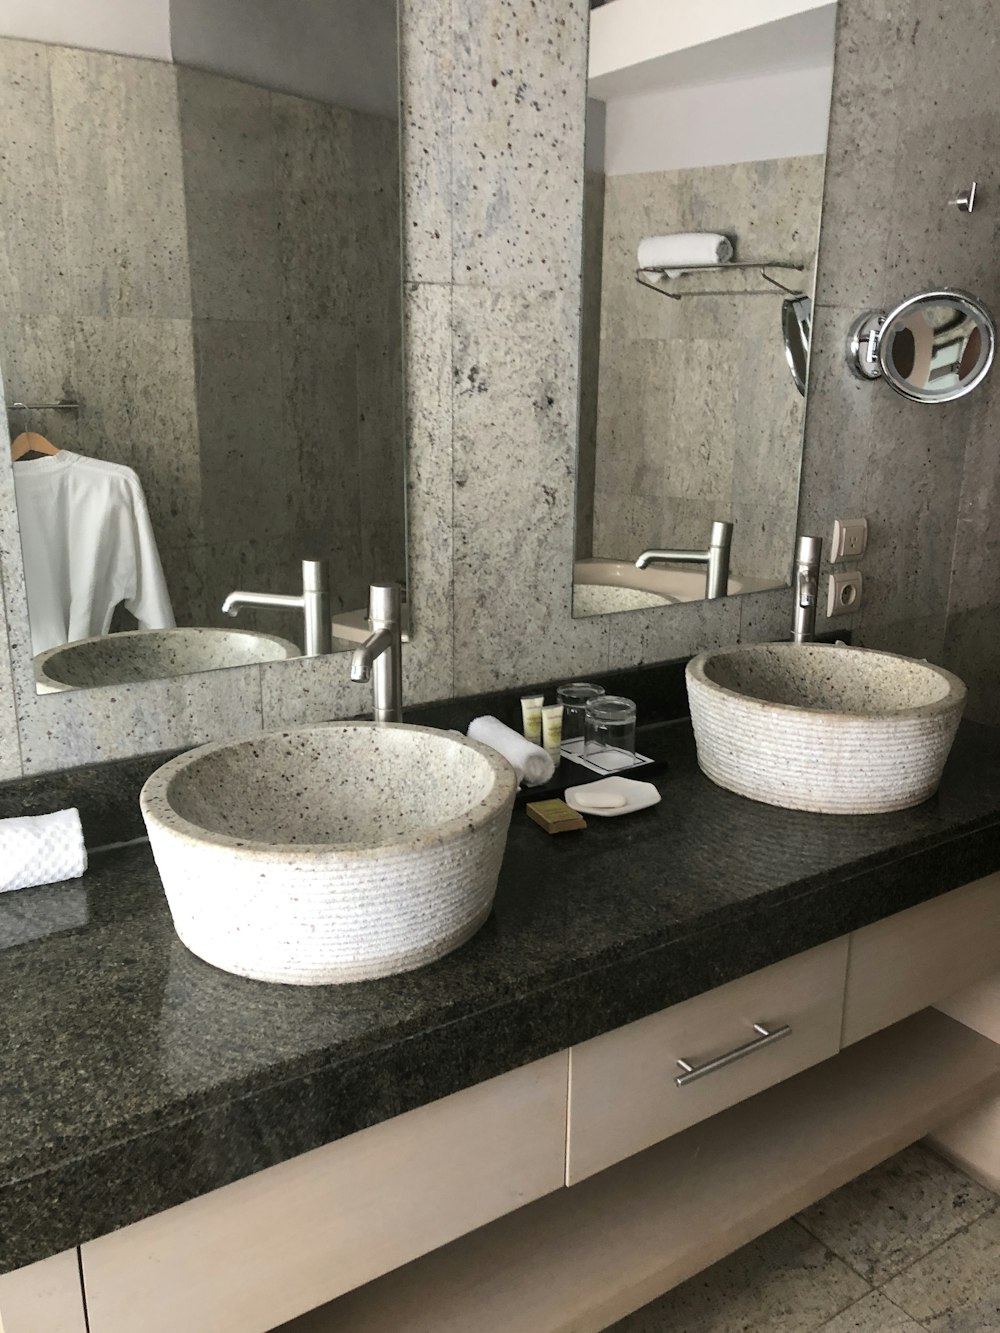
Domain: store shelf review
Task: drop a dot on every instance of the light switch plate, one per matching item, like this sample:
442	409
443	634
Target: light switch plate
850	537
844	593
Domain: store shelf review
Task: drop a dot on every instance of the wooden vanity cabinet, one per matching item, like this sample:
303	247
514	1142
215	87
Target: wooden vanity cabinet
400	1215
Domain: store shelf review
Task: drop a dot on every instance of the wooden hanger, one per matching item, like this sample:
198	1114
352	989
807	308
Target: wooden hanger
30	442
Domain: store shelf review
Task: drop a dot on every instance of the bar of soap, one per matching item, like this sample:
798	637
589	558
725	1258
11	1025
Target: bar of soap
600	800
555	816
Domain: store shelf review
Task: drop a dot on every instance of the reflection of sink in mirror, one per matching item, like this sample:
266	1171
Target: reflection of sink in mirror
688	413
116	659
210	338
601	586
330	853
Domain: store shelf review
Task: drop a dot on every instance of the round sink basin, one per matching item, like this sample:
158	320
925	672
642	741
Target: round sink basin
330	853
151	654
823	727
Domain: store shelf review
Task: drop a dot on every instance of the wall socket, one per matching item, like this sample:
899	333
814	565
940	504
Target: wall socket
850	537
843	596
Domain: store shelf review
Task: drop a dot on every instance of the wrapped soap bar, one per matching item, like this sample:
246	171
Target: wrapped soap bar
555	816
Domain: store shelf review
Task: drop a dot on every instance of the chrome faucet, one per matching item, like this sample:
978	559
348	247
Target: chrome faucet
805	582
314	603
380	657
715	559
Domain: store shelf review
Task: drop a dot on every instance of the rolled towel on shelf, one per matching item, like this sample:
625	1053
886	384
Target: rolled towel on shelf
683	251
529	761
41	849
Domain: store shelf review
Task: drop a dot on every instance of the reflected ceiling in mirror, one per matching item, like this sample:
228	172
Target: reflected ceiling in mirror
694	359
201	338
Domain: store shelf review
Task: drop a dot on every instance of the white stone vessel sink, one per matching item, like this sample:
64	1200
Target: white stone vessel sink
330	853
823	727
151	654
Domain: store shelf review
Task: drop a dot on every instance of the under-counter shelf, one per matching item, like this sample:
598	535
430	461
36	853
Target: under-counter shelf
921	956
639	1084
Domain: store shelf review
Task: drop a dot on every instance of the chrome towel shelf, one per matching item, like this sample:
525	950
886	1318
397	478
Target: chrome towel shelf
642	277
63	405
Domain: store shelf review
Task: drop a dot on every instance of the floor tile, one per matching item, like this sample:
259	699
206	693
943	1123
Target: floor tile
895	1214
784	1282
956	1289
872	1314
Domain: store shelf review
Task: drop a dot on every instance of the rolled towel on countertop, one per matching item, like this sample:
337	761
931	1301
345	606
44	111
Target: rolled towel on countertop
529	761
683	251
41	849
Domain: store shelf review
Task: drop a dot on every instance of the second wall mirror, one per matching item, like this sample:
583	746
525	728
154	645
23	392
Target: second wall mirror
201	339
708	160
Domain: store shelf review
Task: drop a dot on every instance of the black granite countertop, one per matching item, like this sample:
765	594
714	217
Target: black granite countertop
136	1077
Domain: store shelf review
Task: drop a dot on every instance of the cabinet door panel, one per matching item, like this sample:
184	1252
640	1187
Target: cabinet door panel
46	1297
919	957
265	1249
623	1091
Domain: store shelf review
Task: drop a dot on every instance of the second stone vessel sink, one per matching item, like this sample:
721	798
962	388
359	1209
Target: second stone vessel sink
151	654
823	727
330	853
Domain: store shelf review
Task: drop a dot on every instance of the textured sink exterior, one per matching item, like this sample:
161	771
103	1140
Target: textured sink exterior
152	654
823	727
330	853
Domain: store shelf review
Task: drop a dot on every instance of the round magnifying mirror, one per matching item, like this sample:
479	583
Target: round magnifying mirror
932	348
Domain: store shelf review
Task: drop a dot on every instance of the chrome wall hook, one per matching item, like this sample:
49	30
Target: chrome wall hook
966	201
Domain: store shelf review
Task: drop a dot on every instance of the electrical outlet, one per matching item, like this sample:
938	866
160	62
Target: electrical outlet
843	596
850	537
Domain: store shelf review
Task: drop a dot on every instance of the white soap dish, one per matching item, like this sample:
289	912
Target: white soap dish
638	796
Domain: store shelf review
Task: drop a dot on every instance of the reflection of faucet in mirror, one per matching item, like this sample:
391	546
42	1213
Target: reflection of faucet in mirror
715	559
313	602
380	657
805	586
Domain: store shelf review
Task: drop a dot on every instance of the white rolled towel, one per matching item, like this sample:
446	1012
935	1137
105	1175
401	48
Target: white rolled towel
41	849
529	761
683	251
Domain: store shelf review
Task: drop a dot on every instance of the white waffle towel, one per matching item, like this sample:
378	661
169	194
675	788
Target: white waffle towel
41	849
529	761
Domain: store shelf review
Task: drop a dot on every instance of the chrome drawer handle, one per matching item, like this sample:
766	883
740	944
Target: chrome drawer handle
765	1038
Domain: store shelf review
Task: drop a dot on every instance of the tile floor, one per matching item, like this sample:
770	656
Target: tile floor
911	1246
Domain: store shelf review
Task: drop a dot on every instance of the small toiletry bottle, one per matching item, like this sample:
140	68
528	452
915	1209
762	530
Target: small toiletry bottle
552	718
531	717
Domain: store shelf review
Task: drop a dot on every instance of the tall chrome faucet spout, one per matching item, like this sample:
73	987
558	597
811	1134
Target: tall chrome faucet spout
808	553
380	657
715	558
313	602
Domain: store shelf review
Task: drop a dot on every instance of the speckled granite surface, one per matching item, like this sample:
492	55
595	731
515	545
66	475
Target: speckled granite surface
136	1076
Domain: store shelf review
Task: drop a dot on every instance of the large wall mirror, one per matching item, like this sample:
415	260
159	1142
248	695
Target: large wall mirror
702	203
200	339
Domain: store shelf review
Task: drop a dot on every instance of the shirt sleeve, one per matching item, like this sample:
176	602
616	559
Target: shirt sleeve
150	602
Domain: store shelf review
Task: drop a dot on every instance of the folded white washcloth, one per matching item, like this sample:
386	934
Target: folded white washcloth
682	251
41	849
529	761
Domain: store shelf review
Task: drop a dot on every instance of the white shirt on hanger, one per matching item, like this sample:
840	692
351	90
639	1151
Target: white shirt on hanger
87	544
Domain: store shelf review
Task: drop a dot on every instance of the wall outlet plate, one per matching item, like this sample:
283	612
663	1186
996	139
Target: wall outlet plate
850	537
843	596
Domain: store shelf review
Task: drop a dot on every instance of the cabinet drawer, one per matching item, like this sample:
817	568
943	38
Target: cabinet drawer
918	957
624	1095
254	1254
